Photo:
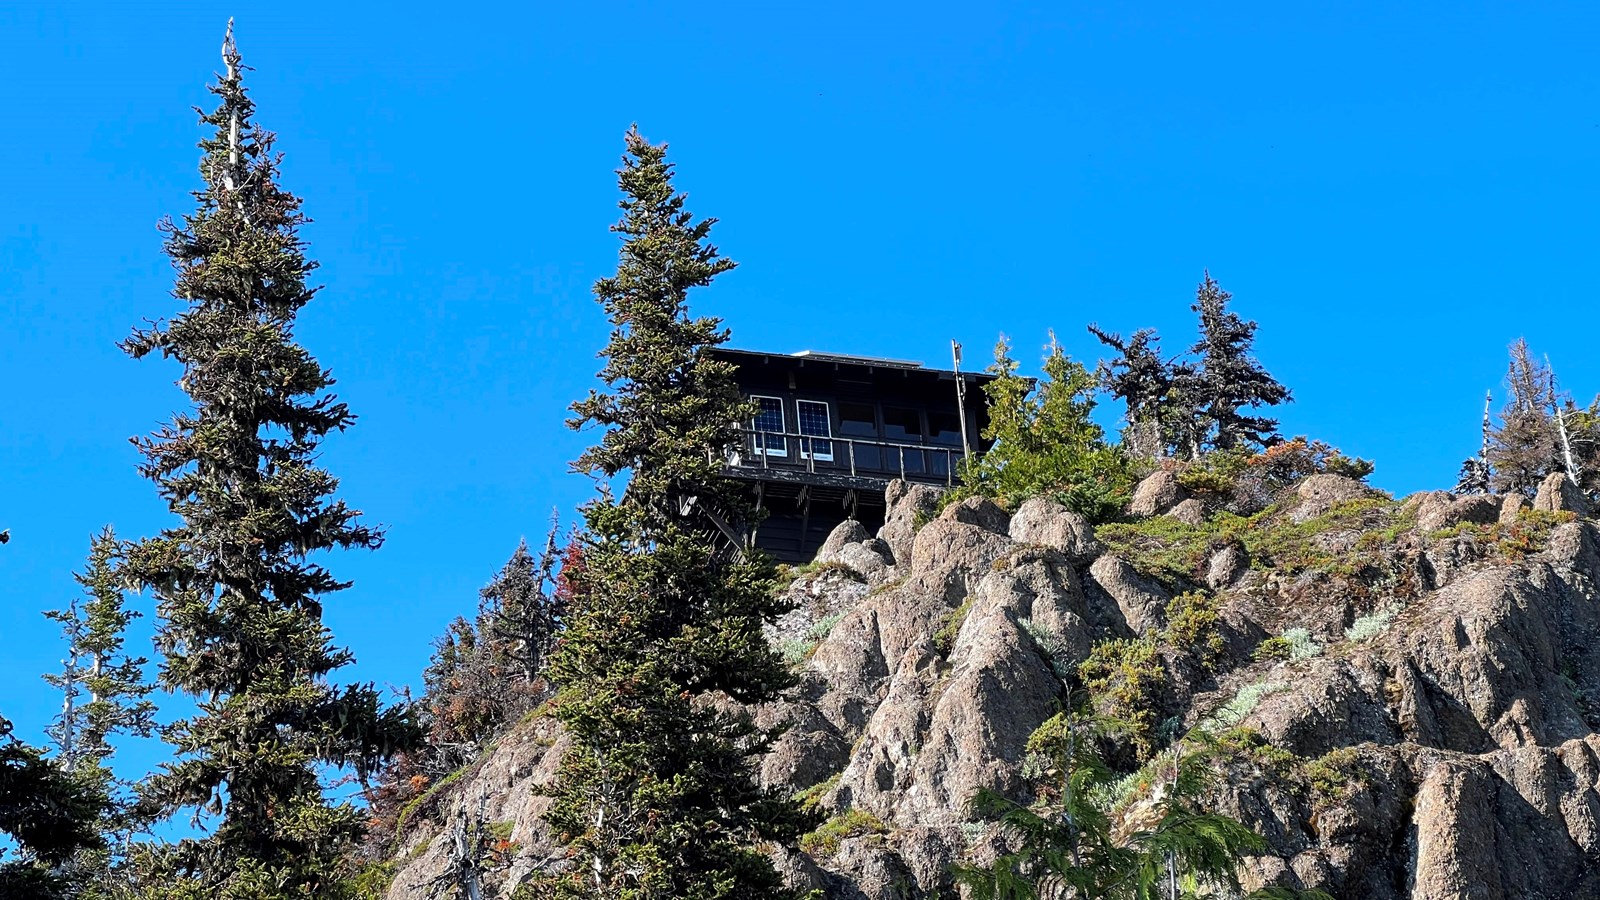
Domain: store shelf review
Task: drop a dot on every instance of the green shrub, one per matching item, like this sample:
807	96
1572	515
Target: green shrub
1125	679
1330	776
824	842
1301	644
1177	554
1192	626
1243	703
1294	645
1273	648
371	882
944	639
810	799
1215	474
1057	654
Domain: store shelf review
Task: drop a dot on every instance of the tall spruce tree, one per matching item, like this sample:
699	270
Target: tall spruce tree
663	651
1228	378
240	605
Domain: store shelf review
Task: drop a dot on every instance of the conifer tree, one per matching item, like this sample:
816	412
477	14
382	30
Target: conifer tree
240	604
47	816
104	694
1526	445
99	668
523	607
1045	442
1066	845
1228	378
1140	378
663	651
1477	476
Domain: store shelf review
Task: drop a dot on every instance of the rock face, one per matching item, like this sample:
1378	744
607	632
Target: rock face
905	504
1157	493
1461	700
1045	522
1320	493
1439	510
1557	494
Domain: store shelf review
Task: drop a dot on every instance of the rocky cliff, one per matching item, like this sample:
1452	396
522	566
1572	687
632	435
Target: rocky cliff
1405	692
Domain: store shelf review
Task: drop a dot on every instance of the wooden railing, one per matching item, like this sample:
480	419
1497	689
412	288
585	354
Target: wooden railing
844	455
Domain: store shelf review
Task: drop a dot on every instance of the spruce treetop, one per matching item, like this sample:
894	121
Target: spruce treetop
1228	378
670	410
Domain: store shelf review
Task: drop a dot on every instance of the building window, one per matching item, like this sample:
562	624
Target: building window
769	427
814	423
901	424
904	425
944	428
860	420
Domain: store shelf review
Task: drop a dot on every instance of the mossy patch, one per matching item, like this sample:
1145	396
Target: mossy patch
824	842
944	637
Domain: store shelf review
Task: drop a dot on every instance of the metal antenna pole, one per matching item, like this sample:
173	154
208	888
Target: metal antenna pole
961	401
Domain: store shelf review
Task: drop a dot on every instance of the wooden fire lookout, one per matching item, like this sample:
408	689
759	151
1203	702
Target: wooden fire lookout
833	430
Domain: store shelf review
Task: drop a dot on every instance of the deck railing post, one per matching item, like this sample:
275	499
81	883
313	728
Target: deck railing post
852	446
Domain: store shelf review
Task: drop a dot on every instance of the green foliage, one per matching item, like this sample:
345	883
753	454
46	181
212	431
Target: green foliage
657	796
1192	625
1371	625
1247	482
1215	474
1046	443
1322	782
1243	703
105	695
1178	553
810	799
1331	776
240	601
1068	844
1273	648
785	576
823	842
50	815
1349	467
1055	650
1526	535
1227	379
1294	644
1126	678
944	637
372	881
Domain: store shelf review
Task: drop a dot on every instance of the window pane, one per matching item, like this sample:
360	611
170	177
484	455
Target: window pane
861	420
857	420
944	428
902	424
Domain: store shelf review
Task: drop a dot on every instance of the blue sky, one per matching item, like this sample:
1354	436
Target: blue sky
1394	191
